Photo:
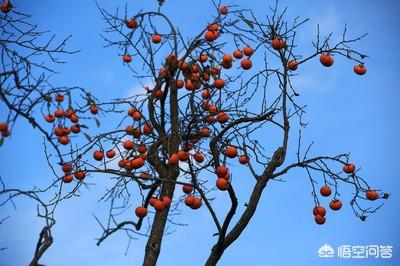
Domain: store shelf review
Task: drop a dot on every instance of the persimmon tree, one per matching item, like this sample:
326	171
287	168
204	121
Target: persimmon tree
209	97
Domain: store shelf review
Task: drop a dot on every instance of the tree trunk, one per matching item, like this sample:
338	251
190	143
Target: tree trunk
153	245
215	256
227	240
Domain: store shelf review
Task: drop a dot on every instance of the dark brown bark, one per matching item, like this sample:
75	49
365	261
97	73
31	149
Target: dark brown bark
44	242
219	248
153	246
154	242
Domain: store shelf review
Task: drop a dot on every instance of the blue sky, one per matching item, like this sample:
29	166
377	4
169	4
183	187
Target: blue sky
345	113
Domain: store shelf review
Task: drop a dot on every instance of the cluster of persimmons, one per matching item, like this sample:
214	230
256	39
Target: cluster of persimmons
336	204
194	75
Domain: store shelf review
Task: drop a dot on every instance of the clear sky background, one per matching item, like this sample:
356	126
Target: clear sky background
345	113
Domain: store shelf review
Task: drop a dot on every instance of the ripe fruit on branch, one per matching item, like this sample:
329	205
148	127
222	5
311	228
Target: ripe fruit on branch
227	176
371	194
210	119
49	118
187	189
152	200
3	127
349	168
248	51
5	134
360	69
58	113
80	175
131	23
137	116
205	132
292	65
319	210
227	58
67	178
205	105
59	98
110	154
183	156
142	149
211	35
213	109
164	71
215	70
69	112
205	94
246	64
221	171
127	165
278	43
319	219
166	201
231	152
173	159
189	201
61	131
199	157
222	184
223	10
325	191
74	118
98	155
222	117
127	58
197	85
66	167
6	7
203	58
238	54
156	38
137	163
226	65
335	205
131	111
94	109
180	84
141	212
147	129
129	130
129	144
64	140
189	85
243	159
75	129
159	93
136	132
195	68
213	27
326	60
219	83
196	204
158	205
182	65
171	59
